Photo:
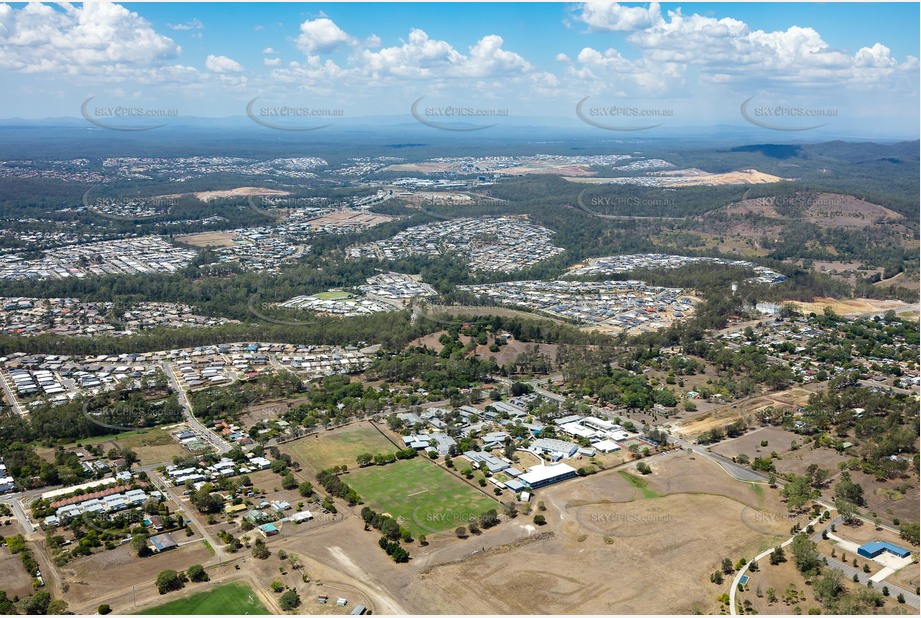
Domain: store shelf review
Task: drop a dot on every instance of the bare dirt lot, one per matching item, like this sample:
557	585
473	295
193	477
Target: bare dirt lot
850	306
16	582
207	196
208	239
350	218
695	177
122	569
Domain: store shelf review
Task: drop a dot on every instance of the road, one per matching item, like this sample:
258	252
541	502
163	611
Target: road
221	445
189	514
10	398
735	580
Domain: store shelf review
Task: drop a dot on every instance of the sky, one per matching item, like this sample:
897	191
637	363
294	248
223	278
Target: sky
789	66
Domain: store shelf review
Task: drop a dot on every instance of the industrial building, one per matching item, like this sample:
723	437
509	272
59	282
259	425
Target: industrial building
541	476
874	549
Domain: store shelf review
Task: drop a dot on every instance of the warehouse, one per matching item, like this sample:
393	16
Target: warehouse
874	549
541	476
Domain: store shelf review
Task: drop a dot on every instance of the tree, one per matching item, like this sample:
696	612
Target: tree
289	600
805	555
846	489
829	586
139	545
777	556
540	520
727	566
643	468
261	550
797	492
104	609
169	580
197	573
288	481
461	532
38	604
305	489
909	531
277	586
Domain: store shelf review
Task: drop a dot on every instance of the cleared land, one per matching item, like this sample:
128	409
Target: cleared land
224	600
823	209
208	239
349	218
421	495
207	196
16	582
610	548
692	178
338	447
851	306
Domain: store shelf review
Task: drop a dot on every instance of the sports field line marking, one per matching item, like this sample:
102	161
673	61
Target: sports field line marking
416	493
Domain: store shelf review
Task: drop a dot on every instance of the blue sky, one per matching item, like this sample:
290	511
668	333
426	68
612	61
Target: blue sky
699	61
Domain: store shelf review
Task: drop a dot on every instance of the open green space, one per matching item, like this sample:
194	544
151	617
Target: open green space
422	496
223	600
338	447
332	295
640	484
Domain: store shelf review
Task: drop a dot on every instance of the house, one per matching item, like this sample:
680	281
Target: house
268	530
300	517
162	542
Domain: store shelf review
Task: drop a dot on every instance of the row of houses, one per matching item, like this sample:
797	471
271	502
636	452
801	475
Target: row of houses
224	468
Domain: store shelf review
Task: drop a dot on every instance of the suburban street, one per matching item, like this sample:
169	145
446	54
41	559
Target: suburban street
218	443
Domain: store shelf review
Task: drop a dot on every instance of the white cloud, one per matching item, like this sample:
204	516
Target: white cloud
321	36
269	51
99	38
271	62
611	16
192	24
222	64
725	51
424	57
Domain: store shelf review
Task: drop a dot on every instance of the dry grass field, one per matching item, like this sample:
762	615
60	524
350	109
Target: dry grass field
208	239
610	547
339	447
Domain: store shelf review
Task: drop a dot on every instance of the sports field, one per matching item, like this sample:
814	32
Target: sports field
332	295
223	600
422	496
338	447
